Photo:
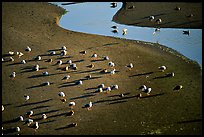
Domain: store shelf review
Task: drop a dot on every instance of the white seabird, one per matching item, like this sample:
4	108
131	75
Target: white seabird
23	62
44	116
26	97
61	94
28	49
59	62
72	104
29	113
20	118
13	75
111	64
38	57
143	87
2	108
79	82
36	67
63	53
45	73
18	129
29	121
36	125
64	48
162	68
158	21
106	58
124	31
99	90
69	62
114	87
19	54
11	59
112	71
148	90
94	55
66	77
101	86
130	66
11	53
46	83
89	105
52	53
151	18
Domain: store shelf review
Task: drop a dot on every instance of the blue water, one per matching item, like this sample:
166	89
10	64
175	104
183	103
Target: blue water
96	18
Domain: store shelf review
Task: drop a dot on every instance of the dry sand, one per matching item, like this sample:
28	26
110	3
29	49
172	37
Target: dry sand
36	25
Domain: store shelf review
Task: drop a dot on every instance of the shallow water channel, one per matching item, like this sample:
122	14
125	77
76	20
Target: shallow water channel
96	18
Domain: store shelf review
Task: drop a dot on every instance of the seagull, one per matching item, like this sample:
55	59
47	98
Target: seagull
121	95
104	71
38	58
28	49
94	55
13	75
45	73
69	62
88	77
26	97
79	82
59	62
71	113
186	32
18	129
72	104
44	116
19	54
46	83
178	8
143	87
2	108
11	59
114	87
73	125
2	60
170	74
156	30
99	90
130	66
106	58
29	122
23	62
29	113
115	31
52	53
89	105
158	21
124	31
63	53
11	53
191	15
36	125
162	68
151	18
112	71
101	86
66	77
63	100
20	118
111	64
83	52
61	94
64	48
91	66
36	67
73	66
114	27
108	89
148	90
178	87
49	60
113	4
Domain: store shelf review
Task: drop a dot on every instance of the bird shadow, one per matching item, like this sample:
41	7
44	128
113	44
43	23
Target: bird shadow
97	60
12	64
44	122
10	121
34	103
160	77
110	44
65	57
8	131
67	126
83	96
37	86
46	112
141	74
153	95
31	69
39	107
76	61
189	121
88	71
117	102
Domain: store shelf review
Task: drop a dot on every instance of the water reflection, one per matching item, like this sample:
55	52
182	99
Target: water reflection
96	18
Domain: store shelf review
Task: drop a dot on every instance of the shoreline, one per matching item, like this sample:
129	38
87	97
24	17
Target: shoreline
36	25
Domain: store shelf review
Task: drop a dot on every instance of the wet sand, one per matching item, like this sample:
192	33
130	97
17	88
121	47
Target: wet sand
165	112
173	14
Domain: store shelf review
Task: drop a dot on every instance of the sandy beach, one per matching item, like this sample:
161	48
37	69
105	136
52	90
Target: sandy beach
164	112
